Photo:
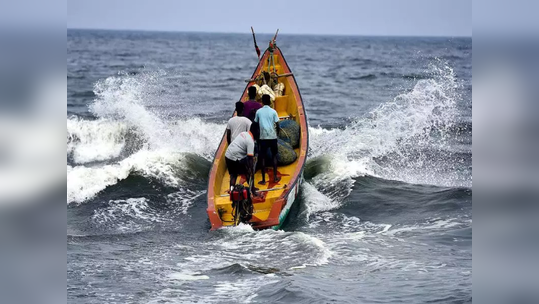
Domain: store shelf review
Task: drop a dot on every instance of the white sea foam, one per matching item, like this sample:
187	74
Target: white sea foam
94	140
396	130
392	130
126	215
327	190
305	248
137	214
183	199
259	250
84	183
122	104
315	201
430	224
188	276
191	136
399	131
125	98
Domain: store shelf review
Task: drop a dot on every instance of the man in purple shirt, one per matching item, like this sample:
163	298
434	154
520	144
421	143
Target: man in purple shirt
251	106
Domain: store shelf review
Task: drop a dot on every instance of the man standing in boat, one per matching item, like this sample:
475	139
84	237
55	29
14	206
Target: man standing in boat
237	124
268	121
251	106
239	156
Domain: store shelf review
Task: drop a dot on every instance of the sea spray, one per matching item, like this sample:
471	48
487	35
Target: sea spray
84	183
126	98
94	140
123	107
401	139
397	139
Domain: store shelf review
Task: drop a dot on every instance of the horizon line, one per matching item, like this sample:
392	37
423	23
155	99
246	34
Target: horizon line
264	33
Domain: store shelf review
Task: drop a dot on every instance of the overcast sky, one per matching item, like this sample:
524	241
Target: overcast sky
344	17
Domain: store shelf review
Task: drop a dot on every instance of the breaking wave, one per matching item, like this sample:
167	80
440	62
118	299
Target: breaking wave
406	139
420	118
90	141
85	182
401	139
126	126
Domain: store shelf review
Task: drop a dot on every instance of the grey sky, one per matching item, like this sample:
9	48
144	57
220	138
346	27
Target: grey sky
346	17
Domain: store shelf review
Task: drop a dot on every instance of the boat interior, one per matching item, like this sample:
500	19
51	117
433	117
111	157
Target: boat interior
286	108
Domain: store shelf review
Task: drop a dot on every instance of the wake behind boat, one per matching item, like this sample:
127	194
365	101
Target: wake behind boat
270	208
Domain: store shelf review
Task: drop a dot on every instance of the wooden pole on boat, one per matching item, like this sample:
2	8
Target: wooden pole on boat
275	37
262	190
281	75
273	189
256	46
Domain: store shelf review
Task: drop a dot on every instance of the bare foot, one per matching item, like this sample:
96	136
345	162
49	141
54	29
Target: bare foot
277	179
262	182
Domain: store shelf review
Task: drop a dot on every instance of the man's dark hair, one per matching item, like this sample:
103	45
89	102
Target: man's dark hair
239	107
255	130
252	92
266	99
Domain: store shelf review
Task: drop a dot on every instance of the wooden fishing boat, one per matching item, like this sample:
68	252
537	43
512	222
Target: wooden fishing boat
272	207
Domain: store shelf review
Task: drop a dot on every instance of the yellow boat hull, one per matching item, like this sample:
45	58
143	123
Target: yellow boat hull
271	209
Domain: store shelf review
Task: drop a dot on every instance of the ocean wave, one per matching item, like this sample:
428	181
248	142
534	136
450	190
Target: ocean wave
315	201
128	127
289	249
419	120
94	140
422	119
140	213
84	183
83	94
183	200
164	164
429	226
363	77
130	215
238	261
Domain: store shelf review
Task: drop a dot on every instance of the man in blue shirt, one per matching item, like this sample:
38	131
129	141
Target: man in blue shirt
268	121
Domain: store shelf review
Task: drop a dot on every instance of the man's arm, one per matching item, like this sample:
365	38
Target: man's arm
277	127
228	136
250	157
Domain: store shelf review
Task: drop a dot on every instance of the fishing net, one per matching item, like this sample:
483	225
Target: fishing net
289	132
286	154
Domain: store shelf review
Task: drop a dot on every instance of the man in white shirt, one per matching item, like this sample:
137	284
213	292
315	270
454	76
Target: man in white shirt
239	156
237	124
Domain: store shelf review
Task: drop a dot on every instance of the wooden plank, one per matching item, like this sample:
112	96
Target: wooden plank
281	75
263	190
